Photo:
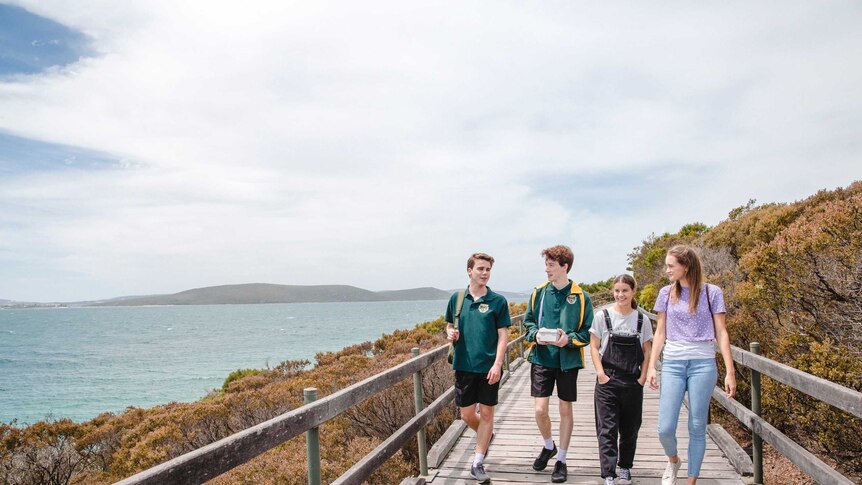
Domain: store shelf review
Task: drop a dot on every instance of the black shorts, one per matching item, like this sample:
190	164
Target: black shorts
473	387
542	380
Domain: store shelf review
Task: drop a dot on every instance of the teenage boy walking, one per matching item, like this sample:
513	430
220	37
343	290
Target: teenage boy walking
480	345
558	304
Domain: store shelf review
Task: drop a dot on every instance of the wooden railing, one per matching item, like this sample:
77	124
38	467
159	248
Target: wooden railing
841	397
216	458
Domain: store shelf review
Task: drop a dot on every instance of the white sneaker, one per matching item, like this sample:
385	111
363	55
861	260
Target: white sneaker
609	481
669	477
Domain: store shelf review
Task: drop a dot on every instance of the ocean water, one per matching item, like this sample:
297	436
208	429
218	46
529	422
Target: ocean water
78	362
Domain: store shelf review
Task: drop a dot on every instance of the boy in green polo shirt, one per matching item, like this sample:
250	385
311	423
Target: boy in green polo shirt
564	313
480	345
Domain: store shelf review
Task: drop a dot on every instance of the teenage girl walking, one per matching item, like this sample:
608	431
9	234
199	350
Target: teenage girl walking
620	348
691	319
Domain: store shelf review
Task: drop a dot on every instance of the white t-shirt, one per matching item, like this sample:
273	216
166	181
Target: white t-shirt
621	324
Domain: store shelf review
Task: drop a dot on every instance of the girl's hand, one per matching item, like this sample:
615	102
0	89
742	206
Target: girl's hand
642	380
603	378
652	378
730	384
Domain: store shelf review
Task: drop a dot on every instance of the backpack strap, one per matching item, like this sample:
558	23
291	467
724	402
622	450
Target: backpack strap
576	290
459	303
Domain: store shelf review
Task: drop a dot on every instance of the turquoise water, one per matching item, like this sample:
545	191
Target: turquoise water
78	362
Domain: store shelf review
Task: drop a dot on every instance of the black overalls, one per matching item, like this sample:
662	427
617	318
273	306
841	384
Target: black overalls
619	402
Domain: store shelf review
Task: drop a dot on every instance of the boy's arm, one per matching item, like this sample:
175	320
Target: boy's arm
581	338
530	325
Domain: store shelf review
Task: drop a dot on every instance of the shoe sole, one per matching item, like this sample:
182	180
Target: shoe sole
555	480
487	480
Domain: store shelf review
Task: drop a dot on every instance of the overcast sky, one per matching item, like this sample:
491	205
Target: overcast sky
156	146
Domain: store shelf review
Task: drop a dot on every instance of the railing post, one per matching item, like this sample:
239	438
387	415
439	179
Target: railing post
312	443
505	361
756	441
521	343
419	398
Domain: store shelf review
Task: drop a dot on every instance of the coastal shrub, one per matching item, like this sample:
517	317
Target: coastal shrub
792	276
239	374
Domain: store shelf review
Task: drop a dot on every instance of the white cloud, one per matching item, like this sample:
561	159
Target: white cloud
378	144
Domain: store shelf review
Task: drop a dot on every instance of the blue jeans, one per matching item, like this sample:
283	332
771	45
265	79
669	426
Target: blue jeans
698	377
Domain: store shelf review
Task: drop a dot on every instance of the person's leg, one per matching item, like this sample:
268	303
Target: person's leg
671	392
607	412
567	391
702	377
631	416
486	426
543	419
469	415
541	388
466	397
566	424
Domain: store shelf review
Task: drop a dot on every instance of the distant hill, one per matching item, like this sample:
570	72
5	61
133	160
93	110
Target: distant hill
269	293
425	293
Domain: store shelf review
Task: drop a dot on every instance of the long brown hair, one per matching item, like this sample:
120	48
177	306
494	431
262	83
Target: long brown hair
628	280
687	257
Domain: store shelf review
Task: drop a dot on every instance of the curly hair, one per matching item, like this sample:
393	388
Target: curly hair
561	254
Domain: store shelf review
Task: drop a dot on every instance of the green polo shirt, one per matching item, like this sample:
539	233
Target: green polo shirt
549	355
476	347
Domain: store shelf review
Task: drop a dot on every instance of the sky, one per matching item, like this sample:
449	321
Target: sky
155	146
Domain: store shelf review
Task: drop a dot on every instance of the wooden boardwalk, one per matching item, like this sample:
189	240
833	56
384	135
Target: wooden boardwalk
517	442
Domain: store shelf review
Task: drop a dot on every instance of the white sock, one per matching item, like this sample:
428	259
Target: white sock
561	455
549	444
478	459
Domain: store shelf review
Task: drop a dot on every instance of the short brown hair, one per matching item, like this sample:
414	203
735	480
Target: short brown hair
473	257
561	254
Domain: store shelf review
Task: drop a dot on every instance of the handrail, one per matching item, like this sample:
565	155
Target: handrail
220	456
829	392
799	456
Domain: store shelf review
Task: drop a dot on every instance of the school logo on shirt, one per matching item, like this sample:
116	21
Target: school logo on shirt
571	299
483	308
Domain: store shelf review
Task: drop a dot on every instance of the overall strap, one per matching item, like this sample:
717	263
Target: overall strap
640	322
608	321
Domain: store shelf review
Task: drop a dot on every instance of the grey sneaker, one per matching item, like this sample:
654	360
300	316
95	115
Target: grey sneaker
478	472
624	476
669	476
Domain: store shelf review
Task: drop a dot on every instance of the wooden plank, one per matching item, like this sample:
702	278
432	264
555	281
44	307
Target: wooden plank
734	453
517	441
444	444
